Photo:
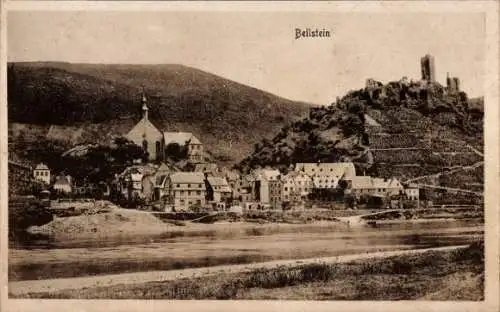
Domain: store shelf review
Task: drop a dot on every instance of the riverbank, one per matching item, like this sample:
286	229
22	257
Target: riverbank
445	274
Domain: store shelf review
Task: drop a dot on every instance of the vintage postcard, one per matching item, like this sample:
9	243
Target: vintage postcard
250	155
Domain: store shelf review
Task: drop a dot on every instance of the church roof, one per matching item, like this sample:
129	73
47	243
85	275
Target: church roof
144	126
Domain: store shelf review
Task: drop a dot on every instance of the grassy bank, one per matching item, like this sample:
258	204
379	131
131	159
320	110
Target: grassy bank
451	275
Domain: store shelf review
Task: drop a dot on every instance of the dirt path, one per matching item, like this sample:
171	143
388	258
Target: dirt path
51	285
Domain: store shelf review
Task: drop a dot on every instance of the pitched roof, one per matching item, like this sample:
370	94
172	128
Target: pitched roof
233	175
180	138
218	183
164	168
361	182
62	180
41	166
270	174
79	149
161	179
146	169
144	126
205	167
367	182
340	169
187	177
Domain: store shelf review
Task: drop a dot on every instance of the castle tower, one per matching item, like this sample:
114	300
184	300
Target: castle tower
428	68
453	84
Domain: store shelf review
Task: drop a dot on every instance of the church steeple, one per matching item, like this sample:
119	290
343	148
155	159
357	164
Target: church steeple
144	106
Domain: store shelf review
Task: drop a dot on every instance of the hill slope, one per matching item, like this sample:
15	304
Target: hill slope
105	99
404	130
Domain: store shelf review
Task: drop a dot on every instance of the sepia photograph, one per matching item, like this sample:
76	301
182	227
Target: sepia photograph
246	155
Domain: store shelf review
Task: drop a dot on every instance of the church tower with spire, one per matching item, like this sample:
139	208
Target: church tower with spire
146	135
144	106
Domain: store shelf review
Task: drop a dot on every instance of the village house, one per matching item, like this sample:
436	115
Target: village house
160	179
218	192
84	188
264	179
235	181
275	193
187	189
327	175
207	168
366	185
244	190
296	186
135	181
154	142
412	192
63	184
42	173
192	143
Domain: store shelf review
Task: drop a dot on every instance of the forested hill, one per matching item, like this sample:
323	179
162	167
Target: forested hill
400	129
227	116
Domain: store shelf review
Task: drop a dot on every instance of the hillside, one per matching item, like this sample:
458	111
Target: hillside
400	129
104	100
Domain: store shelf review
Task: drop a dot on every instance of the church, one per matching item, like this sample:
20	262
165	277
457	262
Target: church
152	140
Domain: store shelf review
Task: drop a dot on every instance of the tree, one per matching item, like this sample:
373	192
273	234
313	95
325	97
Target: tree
175	151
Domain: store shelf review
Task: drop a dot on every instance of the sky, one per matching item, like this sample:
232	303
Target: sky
259	48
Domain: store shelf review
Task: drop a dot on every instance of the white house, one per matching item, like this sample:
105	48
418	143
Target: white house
327	175
63	184
263	179
412	192
187	189
42	173
366	185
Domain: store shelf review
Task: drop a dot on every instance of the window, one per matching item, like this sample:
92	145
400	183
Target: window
286	188
200	186
189	193
198	192
198	201
178	185
189	185
181	193
182	201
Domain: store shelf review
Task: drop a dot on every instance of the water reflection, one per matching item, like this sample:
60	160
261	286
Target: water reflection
465	231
